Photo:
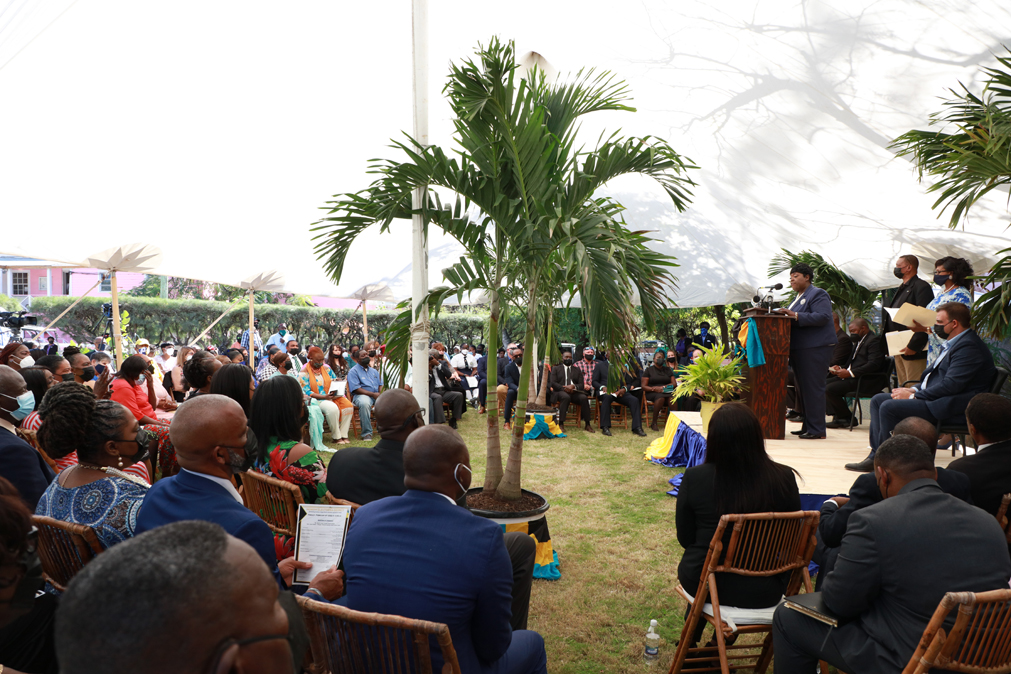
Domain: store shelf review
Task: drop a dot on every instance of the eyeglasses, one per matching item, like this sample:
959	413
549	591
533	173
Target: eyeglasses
420	414
228	643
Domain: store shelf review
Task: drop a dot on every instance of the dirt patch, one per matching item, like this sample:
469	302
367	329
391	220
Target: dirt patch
483	501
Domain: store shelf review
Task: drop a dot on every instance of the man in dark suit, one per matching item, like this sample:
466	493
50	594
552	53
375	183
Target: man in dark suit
964	368
510	378
209	434
460	572
623	396
482	382
705	337
19	462
365	474
501	388
812	339
440	390
989	469
898	559
866	358
566	385
910	364
836	511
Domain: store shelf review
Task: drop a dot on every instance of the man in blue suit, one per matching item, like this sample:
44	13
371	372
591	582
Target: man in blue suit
422	556
812	339
964	368
209	434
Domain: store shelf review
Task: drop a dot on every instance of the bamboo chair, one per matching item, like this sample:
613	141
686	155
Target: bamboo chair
351	642
31	438
979	642
647	408
275	501
619	414
333	500
761	545
356	422
1002	516
64	549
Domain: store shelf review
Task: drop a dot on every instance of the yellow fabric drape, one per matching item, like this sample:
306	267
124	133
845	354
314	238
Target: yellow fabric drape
660	448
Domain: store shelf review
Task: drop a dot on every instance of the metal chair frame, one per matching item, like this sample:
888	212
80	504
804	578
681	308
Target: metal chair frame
856	410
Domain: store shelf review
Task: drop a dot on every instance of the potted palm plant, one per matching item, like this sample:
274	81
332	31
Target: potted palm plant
715	377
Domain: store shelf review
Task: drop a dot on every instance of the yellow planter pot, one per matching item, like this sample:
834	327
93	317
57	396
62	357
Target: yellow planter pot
707	411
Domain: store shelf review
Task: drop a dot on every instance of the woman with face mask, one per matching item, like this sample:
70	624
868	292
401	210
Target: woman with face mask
952	275
179	384
107	440
317	378
39	380
16	355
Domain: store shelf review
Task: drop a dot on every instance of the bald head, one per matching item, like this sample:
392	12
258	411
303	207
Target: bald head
859	326
204	428
430	458
394	407
918	428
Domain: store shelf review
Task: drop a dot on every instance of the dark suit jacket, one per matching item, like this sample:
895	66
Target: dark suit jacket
897	560
502	364
365	474
843	351
952	381
420	556
482	368
867	357
511	376
190	497
813	327
709	341
917	292
865	492
989	473
556	381
697	518
24	467
444	374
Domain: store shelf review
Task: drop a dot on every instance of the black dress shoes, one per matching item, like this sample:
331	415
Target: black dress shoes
605	431
799	432
838	423
865	466
638	431
810	436
793	416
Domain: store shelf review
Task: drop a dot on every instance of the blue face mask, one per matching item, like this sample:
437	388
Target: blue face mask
704	331
26	404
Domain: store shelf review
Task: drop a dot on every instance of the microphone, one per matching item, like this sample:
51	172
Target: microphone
778	286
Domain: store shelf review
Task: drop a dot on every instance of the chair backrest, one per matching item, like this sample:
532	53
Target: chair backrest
275	501
999	378
765	544
31	437
979	642
351	642
333	500
1002	516
64	549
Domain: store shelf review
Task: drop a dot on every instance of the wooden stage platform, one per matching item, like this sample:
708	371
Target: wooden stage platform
821	463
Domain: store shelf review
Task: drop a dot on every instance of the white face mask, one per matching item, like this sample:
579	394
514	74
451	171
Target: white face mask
169	352
27	361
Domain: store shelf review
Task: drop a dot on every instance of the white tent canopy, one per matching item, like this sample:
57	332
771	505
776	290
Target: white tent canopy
216	131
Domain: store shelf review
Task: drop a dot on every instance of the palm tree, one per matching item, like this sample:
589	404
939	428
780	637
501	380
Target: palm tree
969	162
526	208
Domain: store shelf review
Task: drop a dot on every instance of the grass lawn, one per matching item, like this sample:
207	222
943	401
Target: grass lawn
612	525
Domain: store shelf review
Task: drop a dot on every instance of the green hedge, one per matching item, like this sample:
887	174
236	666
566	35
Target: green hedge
181	321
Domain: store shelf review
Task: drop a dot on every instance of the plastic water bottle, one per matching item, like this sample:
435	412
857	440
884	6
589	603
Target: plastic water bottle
652	652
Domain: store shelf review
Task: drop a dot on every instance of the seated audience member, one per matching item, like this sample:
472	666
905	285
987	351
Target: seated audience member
737	477
964	368
567	386
80	365
587	365
462	574
295	352
511	380
482	383
38	380
623	396
898	559
234	355
26	615
58	365
236	382
364	383
335	359
439	391
134	388
20	463
210	437
16	356
133	608
198	371
106	439
836	511
279	413
365	474
316	378
654	379
989	469
179	384
867	358
505	357
264	369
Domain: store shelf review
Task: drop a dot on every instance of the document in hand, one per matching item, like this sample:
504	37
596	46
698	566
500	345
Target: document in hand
897	341
338	387
319	538
908	313
811	605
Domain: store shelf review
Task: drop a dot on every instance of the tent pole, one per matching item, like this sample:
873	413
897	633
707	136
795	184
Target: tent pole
365	323
419	243
74	304
116	334
251	343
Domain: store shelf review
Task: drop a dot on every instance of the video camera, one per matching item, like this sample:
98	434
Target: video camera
15	320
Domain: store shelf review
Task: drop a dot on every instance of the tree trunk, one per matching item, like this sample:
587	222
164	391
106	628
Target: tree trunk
532	394
721	318
509	488
542	394
493	468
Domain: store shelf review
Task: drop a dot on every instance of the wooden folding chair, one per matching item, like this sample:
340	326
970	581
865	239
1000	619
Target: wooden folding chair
979	641
761	545
333	500
647	407
619	414
351	642
64	549
275	501
356	422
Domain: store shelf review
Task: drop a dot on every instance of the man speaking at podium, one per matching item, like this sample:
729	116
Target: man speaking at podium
812	338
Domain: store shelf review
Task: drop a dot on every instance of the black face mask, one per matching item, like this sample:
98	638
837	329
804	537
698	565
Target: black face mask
939	331
590	357
941	279
293	352
566	361
519	360
68	377
87	373
898	272
364	362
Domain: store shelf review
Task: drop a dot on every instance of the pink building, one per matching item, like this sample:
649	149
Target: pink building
24	278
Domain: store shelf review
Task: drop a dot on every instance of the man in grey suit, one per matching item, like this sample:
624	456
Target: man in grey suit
898	559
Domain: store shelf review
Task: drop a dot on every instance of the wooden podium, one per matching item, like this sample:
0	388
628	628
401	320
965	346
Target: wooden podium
766	394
